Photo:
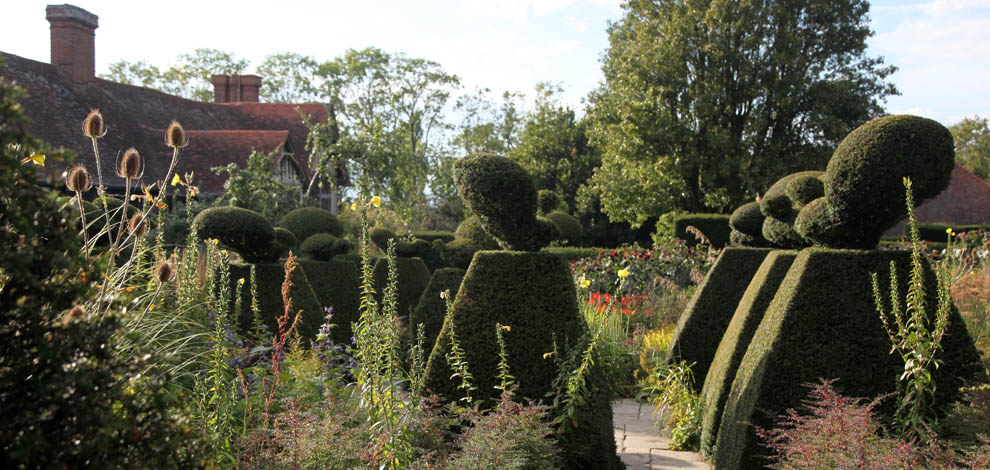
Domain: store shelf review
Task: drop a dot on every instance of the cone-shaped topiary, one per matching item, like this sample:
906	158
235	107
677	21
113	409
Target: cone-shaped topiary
412	280
736	339
863	180
431	309
747	226
305	222
502	194
241	230
269	278
336	284
707	315
569	227
323	247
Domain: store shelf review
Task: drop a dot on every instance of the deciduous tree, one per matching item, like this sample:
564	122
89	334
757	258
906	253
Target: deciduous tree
972	136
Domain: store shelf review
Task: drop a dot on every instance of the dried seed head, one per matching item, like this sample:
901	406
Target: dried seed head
130	166
93	126
175	136
78	180
74	314
165	272
137	225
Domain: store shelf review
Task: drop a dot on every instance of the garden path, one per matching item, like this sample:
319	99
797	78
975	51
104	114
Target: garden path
639	442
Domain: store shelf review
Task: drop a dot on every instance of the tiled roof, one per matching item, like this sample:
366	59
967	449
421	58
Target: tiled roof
965	202
136	117
208	149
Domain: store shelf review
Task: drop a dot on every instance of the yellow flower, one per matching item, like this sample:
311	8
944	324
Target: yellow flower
37	158
376	201
506	327
546	355
353	206
584	283
241	281
176	179
445	294
623	273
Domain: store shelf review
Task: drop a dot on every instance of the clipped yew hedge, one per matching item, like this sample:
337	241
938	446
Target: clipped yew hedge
430	309
413	276
269	278
337	284
714	226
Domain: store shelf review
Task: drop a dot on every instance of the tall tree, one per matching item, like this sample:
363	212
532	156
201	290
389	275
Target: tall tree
288	77
706	102
972	136
189	77
553	146
487	126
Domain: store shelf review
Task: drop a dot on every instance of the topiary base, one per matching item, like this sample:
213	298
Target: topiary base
269	278
822	323
736	339
413	276
707	315
336	284
533	294
431	309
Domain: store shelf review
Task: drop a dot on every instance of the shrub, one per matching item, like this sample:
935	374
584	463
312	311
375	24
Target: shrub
336	285
715	227
431	236
805	187
776	202
502	194
707	316
568	226
284	241
822	323
305	222
323	247
460	252
547	201
412	280
746	223
431	309
471	229
781	233
380	236
731	348
863	178
268	279
241	230
434	255
572	253
935	231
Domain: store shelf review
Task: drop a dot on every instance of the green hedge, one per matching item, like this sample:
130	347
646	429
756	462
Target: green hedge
714	226
572	253
471	229
413	276
533	293
323	247
431	236
707	315
569	227
305	222
337	284
431	309
242	230
460	252
269	278
822	324
935	231
734	342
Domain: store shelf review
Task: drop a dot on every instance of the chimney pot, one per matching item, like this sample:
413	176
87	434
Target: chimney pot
73	41
235	88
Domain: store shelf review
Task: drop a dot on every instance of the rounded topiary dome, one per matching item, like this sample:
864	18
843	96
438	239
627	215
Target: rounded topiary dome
548	201
305	222
242	230
323	247
569	227
471	229
502	194
284	241
864	186
747	226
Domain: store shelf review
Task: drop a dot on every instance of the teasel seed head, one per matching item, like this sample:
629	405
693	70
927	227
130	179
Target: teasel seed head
137	226
93	126
78	179
175	135
165	272
131	166
74	314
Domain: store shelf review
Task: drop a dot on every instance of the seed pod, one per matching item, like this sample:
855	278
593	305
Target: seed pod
175	135
131	166
70	317
93	126
78	180
165	272
137	226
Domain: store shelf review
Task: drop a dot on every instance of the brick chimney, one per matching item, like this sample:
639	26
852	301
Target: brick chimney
73	41
235	88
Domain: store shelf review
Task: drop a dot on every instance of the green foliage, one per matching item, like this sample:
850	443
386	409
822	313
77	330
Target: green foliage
255	187
287	77
782	203
714	227
510	437
701	326
460	252
336	285
305	222
269	278
70	396
501	193
569	227
381	237
805	335
188	78
547	201
284	241
241	230
435	235
732	347
707	131
673	392
936	231
431	308
863	178
323	247
571	253
972	143
746	223
471	229
413	277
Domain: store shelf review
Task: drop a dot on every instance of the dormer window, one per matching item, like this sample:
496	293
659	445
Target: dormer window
288	171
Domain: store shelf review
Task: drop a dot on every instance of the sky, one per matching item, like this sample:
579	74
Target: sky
941	47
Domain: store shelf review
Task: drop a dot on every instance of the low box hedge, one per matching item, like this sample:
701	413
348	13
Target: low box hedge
714	226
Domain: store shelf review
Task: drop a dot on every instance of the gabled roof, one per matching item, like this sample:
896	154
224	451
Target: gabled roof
137	116
208	149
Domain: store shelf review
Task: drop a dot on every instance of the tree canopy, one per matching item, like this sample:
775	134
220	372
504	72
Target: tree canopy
705	102
972	137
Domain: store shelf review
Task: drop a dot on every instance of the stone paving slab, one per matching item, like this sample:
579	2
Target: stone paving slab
639	442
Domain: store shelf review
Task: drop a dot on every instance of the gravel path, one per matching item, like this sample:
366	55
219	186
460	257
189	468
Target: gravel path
639	442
